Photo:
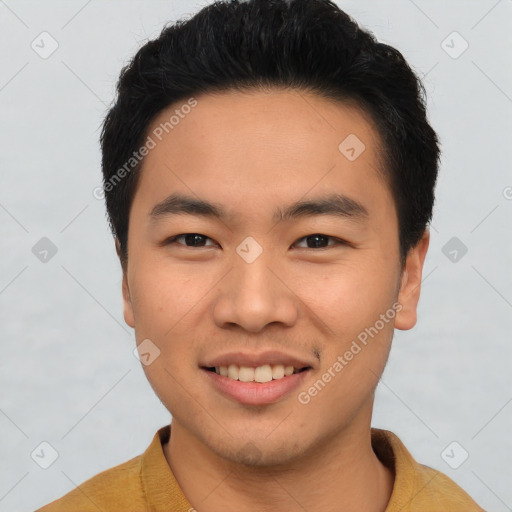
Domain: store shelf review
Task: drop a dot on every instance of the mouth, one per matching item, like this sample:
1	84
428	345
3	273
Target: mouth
261	374
255	386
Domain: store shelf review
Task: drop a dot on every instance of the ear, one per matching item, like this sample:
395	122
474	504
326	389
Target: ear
127	300
410	286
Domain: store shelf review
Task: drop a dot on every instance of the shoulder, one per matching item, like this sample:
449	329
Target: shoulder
418	487
434	488
117	488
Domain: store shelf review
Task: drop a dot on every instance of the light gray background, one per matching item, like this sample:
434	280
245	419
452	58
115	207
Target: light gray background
68	374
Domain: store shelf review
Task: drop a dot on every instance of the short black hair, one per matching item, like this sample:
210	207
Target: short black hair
308	45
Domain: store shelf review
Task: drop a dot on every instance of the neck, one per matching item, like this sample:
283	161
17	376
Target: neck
340	473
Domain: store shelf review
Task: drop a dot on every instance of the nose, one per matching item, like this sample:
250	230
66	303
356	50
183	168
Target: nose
253	295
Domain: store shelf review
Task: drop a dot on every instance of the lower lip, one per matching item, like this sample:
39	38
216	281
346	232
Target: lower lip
256	393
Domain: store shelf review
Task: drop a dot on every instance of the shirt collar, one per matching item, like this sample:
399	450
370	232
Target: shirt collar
163	492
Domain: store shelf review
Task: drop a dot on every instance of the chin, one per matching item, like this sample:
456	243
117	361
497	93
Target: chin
261	454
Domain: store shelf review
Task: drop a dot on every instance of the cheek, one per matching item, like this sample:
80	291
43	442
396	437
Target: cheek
166	303
348	296
163	294
352	363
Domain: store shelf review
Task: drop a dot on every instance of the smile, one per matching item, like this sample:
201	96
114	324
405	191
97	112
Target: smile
240	384
262	374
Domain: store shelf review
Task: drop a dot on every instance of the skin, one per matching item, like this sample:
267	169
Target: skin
252	152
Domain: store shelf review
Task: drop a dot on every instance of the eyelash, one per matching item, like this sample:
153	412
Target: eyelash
338	241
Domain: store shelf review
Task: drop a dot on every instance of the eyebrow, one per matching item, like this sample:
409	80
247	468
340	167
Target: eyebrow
337	205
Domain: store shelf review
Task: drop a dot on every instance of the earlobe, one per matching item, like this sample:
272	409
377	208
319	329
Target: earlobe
410	286
127	300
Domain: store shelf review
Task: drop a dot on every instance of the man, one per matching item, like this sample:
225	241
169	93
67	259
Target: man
269	176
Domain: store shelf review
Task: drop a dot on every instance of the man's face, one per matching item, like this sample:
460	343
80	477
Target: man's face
254	282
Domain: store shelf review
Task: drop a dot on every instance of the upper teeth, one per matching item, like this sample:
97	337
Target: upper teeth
263	373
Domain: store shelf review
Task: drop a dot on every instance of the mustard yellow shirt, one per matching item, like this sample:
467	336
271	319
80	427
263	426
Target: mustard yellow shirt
147	484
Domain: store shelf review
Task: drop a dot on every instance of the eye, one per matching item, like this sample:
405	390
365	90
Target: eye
319	241
191	240
315	241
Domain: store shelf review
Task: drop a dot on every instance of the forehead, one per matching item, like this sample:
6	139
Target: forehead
252	147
